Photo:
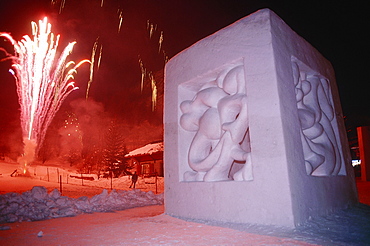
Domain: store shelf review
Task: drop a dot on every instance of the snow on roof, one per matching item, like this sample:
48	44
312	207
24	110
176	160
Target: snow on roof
148	149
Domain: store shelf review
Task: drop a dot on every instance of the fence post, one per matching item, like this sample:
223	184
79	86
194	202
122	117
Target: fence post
111	180
47	169
156	183
60	184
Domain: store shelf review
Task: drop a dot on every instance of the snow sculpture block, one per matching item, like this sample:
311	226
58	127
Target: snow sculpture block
319	129
253	128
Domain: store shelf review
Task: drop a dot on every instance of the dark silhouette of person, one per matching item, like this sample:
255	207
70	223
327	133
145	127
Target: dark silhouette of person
134	180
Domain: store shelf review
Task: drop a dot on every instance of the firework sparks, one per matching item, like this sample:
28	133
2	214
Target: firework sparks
151	28
92	63
160	42
165	57
120	17
42	81
154	91
100	55
152	83
62	6
143	73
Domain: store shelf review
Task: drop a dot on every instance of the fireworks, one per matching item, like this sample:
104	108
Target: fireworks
160	42
120	17
42	81
154	91
152	28
92	63
62	4
153	83
143	73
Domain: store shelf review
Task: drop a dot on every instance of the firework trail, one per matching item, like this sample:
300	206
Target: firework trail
100	54
154	92
165	57
151	28
160	42
92	64
153	83
143	73
62	4
42	81
120	17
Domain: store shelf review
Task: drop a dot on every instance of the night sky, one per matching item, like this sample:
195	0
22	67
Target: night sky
335	28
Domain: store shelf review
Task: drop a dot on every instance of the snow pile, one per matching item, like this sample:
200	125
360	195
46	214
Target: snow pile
37	204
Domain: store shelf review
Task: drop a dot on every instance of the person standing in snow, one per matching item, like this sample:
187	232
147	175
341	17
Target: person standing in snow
134	180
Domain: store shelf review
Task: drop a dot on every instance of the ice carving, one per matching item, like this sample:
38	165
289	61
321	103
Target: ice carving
220	149
318	123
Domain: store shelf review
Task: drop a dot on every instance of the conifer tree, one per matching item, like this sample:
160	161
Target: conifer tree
115	151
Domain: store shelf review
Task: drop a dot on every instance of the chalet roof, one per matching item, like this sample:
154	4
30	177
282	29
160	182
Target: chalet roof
148	149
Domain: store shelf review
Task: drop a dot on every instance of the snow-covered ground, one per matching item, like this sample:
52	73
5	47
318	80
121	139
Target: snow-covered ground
72	185
148	225
36	202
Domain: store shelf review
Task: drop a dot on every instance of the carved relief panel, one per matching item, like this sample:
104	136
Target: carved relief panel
319	129
217	115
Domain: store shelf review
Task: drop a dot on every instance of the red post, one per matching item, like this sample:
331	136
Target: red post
363	133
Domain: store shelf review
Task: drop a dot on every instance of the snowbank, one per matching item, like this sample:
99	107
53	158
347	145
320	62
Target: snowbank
37	204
